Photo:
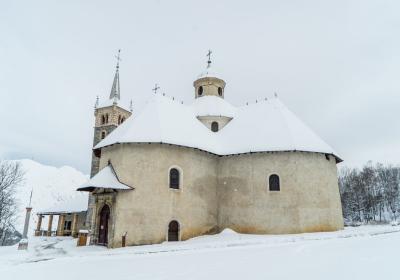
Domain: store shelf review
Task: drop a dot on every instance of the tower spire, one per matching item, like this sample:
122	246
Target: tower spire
115	89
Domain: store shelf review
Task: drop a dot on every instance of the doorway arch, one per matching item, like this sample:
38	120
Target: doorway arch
173	231
103	225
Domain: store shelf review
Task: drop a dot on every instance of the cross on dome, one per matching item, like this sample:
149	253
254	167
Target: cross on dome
209	58
156	87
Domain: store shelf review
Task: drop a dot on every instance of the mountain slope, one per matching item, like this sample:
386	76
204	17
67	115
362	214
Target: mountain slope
51	186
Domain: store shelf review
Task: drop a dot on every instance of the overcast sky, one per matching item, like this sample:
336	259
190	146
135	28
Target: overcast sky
333	63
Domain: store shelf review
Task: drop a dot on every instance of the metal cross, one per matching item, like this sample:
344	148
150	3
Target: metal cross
118	57
209	58
156	87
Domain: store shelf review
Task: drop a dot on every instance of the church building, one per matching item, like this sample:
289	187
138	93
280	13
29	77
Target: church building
175	171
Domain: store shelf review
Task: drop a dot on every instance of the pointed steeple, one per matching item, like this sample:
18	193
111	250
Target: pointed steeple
115	94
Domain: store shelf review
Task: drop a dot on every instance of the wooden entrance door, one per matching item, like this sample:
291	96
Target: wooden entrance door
103	225
173	231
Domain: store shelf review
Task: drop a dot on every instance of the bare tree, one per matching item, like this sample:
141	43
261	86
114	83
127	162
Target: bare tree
389	179
370	194
11	175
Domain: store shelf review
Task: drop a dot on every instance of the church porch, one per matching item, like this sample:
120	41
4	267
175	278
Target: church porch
68	224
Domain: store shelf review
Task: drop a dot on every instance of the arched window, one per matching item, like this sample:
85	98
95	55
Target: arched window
122	119
214	126
119	119
106	118
274	184
174	178
103	119
173	231
103	134
200	90
220	91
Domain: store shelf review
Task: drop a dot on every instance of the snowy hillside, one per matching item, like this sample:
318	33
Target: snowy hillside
366	252
51	186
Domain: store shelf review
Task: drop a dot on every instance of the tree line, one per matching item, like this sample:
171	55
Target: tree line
370	194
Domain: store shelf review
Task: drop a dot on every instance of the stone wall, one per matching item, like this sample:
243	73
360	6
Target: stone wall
210	87
145	212
308	199
220	192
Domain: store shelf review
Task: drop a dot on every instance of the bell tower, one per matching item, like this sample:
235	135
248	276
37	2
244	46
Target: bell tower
207	84
108	116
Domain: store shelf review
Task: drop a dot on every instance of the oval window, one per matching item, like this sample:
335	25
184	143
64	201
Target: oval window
200	90
220	91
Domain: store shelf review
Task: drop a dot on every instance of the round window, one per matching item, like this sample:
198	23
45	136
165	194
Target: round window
220	91
200	90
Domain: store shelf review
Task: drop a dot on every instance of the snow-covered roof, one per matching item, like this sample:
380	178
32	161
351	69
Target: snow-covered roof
209	72
78	203
261	127
213	106
105	178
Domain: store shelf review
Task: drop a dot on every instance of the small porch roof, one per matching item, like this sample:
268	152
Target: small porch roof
105	179
76	204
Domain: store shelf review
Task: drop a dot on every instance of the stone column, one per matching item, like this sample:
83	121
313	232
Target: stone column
50	225
26	225
60	228
39	225
23	243
74	227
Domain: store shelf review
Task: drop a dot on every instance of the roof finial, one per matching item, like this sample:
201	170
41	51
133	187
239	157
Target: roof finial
96	105
156	87
209	58
30	199
131	106
115	91
118	57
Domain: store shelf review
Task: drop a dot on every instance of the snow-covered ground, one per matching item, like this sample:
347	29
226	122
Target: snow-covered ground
367	252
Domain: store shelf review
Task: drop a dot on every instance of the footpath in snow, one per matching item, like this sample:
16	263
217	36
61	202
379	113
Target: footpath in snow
367	252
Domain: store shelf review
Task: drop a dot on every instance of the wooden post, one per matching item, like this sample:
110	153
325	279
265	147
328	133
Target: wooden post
50	225
39	225
74	230
60	227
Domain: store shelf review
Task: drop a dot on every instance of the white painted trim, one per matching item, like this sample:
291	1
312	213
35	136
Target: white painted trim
180	178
